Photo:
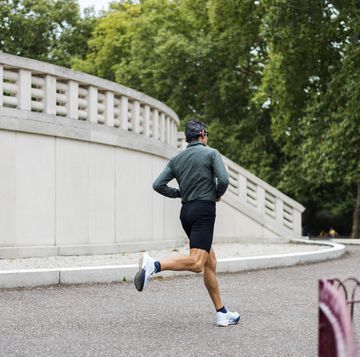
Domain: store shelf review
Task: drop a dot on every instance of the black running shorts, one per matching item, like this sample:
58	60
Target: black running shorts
198	219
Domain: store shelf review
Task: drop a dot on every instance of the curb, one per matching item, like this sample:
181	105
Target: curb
116	273
346	241
282	260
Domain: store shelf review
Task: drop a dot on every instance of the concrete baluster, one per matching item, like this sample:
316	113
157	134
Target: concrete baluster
147	120
162	127
109	108
136	117
167	130
156	125
297	222
72	104
92	104
50	95
260	199
124	110
279	209
24	89
181	140
242	188
175	131
172	137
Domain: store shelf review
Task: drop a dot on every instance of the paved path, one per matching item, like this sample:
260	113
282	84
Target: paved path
172	317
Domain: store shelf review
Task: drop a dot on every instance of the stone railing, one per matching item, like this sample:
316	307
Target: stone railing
259	199
263	200
44	88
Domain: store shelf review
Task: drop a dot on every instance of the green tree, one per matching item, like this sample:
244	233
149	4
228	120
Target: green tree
48	30
308	80
203	58
332	126
241	122
110	42
275	79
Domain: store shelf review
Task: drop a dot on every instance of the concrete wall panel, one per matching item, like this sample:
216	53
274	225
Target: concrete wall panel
72	192
35	190
171	221
7	188
101	194
133	196
158	208
166	211
231	226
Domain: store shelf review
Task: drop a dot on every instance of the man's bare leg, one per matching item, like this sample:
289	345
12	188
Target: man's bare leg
210	280
194	262
197	261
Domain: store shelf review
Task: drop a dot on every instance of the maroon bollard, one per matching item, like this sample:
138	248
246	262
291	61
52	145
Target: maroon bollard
336	338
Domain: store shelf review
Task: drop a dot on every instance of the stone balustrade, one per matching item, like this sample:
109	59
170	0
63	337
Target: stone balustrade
263	200
43	88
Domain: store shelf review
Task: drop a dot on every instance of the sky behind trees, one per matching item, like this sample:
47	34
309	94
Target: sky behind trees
98	4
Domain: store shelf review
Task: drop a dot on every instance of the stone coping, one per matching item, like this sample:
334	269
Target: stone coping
17	120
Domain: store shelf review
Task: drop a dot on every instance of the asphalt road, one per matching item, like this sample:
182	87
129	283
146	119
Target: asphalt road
173	317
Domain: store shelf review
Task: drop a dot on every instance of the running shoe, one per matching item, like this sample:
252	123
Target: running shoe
146	269
226	319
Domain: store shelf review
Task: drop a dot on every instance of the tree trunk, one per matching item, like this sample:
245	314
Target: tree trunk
355	234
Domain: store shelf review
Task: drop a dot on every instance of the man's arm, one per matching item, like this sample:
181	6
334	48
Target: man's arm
221	174
160	184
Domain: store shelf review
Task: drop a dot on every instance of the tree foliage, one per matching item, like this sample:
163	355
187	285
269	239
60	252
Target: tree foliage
277	80
48	30
310	79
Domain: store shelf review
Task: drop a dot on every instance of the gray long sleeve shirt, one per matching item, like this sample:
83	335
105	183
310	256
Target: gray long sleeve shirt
199	171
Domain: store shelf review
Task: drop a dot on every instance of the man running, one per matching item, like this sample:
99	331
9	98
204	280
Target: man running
203	179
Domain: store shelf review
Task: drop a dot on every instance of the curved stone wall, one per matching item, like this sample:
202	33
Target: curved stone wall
77	179
78	155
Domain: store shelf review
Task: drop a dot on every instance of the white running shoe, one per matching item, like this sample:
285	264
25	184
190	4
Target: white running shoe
226	319
146	269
